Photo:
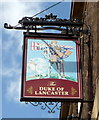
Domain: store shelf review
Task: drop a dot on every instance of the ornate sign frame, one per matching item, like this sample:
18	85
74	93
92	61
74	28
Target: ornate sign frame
45	75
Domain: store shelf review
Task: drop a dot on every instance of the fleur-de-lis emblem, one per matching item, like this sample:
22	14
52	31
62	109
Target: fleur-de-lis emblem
30	90
73	91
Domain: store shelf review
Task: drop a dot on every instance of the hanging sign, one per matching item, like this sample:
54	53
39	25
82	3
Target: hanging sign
51	69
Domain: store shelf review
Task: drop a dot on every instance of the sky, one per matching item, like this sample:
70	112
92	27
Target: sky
11	56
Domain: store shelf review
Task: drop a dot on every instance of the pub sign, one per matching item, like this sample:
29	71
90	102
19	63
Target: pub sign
51	68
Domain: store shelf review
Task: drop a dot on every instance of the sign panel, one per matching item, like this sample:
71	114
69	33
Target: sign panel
51	69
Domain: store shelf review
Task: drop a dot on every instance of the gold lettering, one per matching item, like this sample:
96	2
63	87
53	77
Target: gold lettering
51	91
56	92
66	93
36	93
59	88
47	88
40	88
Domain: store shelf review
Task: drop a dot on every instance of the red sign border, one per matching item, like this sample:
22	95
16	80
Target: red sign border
49	36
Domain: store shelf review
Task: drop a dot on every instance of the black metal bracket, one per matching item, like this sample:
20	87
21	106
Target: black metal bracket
51	106
49	22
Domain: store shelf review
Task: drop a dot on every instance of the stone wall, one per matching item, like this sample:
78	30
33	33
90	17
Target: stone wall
88	12
91	56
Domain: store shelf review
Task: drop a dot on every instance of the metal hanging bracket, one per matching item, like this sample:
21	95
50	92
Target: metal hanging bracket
49	22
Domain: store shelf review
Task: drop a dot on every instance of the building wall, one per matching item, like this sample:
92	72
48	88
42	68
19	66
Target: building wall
95	110
89	56
90	68
88	13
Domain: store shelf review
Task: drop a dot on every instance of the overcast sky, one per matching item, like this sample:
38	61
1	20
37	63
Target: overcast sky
11	44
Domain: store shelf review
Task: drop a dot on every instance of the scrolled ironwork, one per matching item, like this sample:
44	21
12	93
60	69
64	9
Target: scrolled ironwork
51	106
49	22
36	103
